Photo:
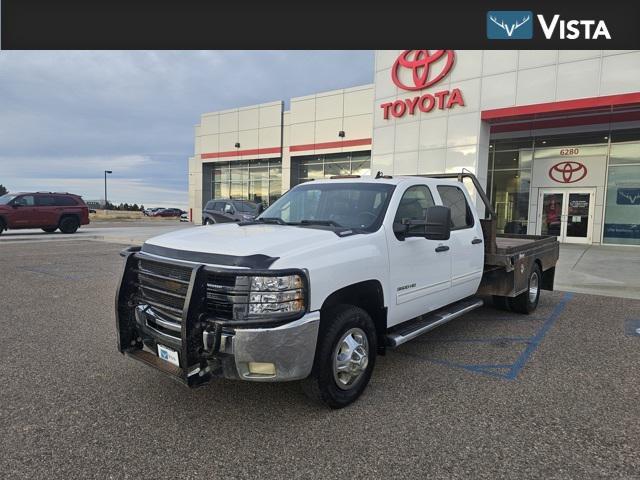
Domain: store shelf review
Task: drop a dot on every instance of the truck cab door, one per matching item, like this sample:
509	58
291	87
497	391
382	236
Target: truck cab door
467	245
420	269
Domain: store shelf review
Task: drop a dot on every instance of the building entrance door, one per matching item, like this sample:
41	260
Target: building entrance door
566	213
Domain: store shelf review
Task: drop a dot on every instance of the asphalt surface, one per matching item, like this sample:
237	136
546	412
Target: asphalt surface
124	232
490	395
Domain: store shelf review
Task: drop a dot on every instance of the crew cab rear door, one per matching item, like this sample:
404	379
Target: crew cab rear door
420	269
466	242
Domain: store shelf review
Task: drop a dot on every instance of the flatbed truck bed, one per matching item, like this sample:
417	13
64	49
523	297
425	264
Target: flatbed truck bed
510	258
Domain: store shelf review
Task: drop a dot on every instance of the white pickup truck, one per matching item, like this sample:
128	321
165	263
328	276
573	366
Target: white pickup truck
329	276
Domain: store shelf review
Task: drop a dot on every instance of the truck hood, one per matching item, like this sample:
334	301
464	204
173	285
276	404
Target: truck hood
234	240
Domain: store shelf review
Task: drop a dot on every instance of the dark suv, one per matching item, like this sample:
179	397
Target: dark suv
222	211
45	210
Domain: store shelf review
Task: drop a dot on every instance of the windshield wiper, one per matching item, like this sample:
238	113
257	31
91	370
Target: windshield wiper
328	223
274	220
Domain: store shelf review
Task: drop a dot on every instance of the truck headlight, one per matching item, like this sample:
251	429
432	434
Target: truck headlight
277	295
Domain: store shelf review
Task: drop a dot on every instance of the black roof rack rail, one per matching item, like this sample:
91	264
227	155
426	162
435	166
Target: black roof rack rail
476	183
382	175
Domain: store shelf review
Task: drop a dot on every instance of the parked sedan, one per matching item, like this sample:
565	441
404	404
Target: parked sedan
168	212
224	211
150	211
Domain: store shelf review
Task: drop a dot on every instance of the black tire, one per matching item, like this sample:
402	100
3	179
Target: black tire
527	301
2	226
208	221
50	229
69	225
501	303
323	385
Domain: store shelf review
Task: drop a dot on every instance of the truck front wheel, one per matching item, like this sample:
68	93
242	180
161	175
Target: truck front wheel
345	357
527	301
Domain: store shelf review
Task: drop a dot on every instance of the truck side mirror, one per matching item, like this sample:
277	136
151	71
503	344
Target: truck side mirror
438	224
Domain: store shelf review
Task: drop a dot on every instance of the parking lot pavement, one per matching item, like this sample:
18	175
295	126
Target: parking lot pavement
599	269
127	233
490	395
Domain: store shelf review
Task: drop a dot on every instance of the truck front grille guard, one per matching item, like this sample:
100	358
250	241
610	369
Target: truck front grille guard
132	292
204	293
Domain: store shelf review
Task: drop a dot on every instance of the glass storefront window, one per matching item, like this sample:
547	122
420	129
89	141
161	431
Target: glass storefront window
220	190
361	164
337	168
574	139
622	205
238	192
316	167
510	197
259	181
509	160
617	152
275	190
624	153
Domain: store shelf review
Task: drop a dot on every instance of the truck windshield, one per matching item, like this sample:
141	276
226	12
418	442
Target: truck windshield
360	206
5	199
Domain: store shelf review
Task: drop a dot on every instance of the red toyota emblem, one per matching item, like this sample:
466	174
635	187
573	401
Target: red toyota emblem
419	62
567	172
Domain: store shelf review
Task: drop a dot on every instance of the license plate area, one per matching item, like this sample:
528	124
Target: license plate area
168	355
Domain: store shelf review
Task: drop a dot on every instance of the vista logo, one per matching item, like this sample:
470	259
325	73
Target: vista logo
513	25
518	25
572	29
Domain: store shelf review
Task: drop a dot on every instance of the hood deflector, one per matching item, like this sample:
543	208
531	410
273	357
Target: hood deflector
249	261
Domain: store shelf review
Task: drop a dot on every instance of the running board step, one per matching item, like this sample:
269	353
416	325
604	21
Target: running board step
414	328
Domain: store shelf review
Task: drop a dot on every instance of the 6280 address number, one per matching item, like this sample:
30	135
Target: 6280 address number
569	151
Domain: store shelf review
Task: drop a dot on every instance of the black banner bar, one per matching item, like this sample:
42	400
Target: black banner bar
251	24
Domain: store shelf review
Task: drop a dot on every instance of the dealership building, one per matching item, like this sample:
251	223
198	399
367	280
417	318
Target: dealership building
554	136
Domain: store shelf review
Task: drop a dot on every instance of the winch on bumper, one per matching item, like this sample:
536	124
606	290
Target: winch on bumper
195	312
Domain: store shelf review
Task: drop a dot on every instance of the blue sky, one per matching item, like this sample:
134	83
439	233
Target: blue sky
65	117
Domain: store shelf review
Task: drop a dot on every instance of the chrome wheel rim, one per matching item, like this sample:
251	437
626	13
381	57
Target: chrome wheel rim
533	287
350	358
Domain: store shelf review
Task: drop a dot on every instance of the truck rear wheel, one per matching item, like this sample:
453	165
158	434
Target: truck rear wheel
527	301
345	357
501	303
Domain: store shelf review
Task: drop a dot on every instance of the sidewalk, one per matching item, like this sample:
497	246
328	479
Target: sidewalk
600	270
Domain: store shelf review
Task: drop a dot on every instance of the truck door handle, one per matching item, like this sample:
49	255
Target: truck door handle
475	241
442	248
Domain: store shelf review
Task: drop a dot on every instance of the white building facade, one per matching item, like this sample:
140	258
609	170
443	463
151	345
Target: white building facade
553	135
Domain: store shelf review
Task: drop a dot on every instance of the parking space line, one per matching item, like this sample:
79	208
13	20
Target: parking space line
509	371
535	341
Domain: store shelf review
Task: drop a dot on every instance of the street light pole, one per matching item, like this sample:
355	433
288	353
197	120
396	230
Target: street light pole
105	188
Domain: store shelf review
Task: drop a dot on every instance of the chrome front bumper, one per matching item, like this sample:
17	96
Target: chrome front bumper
290	348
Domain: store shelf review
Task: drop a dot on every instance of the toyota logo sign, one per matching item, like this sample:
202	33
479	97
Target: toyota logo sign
422	69
567	172
419	63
